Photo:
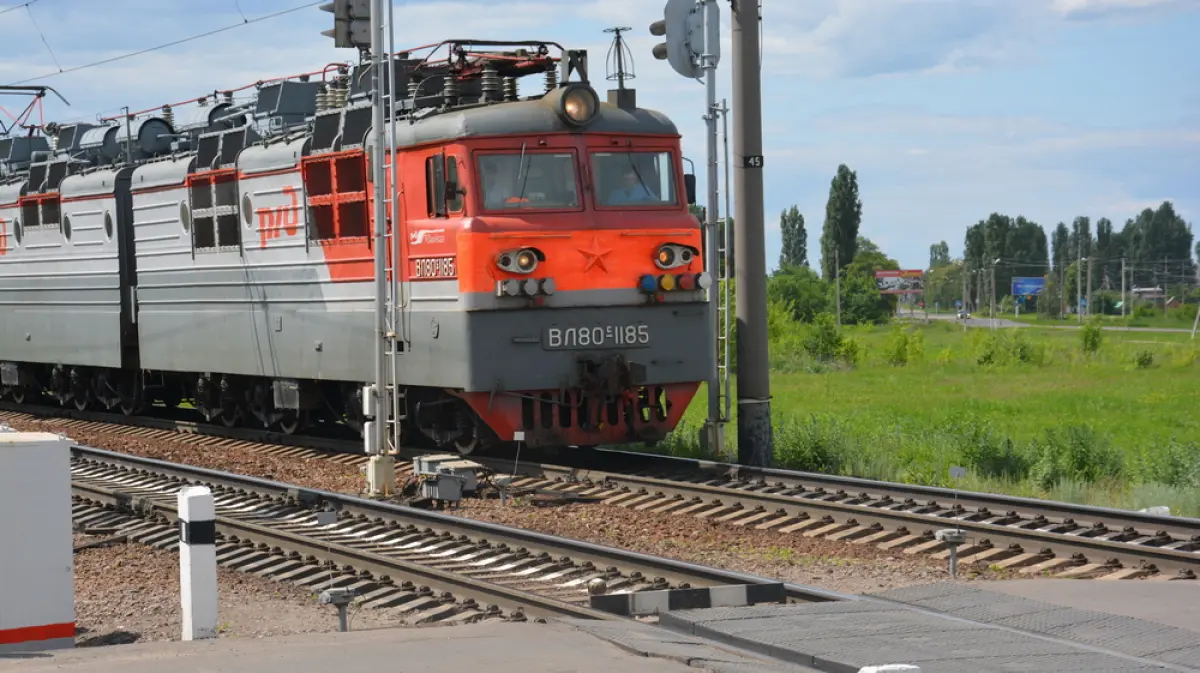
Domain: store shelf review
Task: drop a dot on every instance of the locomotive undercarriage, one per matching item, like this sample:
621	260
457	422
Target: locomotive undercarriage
286	406
610	408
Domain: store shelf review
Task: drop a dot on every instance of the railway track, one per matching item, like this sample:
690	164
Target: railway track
436	568
1030	537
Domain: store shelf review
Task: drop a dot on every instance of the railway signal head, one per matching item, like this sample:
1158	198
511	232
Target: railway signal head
683	27
351	23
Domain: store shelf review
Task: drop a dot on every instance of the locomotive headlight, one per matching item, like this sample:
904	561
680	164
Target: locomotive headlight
526	261
671	256
578	105
519	261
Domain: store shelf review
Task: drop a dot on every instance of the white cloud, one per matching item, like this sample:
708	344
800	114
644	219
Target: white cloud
1095	9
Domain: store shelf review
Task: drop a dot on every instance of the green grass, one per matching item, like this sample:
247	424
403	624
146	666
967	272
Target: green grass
1177	319
1118	427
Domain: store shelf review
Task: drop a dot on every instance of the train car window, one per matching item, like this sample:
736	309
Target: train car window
454	201
435	185
528	181
225	196
634	179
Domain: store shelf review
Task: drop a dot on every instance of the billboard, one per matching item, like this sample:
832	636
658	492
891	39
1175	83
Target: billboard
908	281
1026	286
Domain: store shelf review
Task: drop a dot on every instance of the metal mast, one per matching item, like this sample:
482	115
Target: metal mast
377	445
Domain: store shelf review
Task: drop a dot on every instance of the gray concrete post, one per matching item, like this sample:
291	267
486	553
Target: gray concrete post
755	441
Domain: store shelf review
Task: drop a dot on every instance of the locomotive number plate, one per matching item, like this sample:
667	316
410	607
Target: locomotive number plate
598	336
423	268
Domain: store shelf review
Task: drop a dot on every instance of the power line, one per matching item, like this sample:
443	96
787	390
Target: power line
6	10
43	36
168	44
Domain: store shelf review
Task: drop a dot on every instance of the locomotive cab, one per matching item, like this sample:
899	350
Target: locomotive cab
580	315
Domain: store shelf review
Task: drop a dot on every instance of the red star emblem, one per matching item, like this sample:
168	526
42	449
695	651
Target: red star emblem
595	255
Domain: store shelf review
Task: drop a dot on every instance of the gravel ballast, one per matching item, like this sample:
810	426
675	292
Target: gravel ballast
828	564
129	593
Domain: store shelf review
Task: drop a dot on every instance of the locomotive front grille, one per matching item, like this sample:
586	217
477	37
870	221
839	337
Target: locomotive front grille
569	409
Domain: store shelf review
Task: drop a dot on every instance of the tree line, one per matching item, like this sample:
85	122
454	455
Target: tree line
1152	250
1156	247
845	281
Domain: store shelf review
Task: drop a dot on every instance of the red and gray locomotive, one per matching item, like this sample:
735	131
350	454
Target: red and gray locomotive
219	253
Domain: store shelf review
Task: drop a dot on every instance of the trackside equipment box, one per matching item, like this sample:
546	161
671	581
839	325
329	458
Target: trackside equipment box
37	569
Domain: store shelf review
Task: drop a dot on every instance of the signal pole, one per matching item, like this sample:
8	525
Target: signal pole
755	441
359	24
709	59
692	29
381	468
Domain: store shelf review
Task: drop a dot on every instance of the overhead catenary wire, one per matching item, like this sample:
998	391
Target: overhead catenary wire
6	10
173	43
43	36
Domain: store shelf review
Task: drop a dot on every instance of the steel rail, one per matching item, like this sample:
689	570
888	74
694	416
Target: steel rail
742	474
1174	546
361	560
1063	535
633	563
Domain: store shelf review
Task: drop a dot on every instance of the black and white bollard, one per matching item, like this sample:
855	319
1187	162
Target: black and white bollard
198	562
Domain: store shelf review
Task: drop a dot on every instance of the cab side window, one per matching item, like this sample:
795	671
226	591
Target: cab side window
435	185
442	193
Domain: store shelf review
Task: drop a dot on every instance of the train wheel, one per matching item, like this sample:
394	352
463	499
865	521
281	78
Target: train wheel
18	395
292	422
467	445
128	407
82	402
230	416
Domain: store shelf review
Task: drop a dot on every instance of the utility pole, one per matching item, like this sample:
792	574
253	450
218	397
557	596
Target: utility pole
1123	287
1091	306
837	284
755	443
993	286
966	270
1062	291
1079	288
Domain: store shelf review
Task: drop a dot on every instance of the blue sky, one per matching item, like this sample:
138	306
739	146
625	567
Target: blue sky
947	109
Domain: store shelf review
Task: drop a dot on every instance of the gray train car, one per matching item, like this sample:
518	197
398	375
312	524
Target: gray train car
66	327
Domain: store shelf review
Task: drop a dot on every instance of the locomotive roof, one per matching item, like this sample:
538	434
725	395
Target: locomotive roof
527	118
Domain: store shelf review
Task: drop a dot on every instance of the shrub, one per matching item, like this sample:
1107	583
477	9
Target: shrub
1075	454
995	457
1004	347
1144	359
823	341
1091	336
850	351
814	445
895	351
1177	465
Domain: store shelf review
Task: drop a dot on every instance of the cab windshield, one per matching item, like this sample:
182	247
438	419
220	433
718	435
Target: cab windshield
634	179
528	181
